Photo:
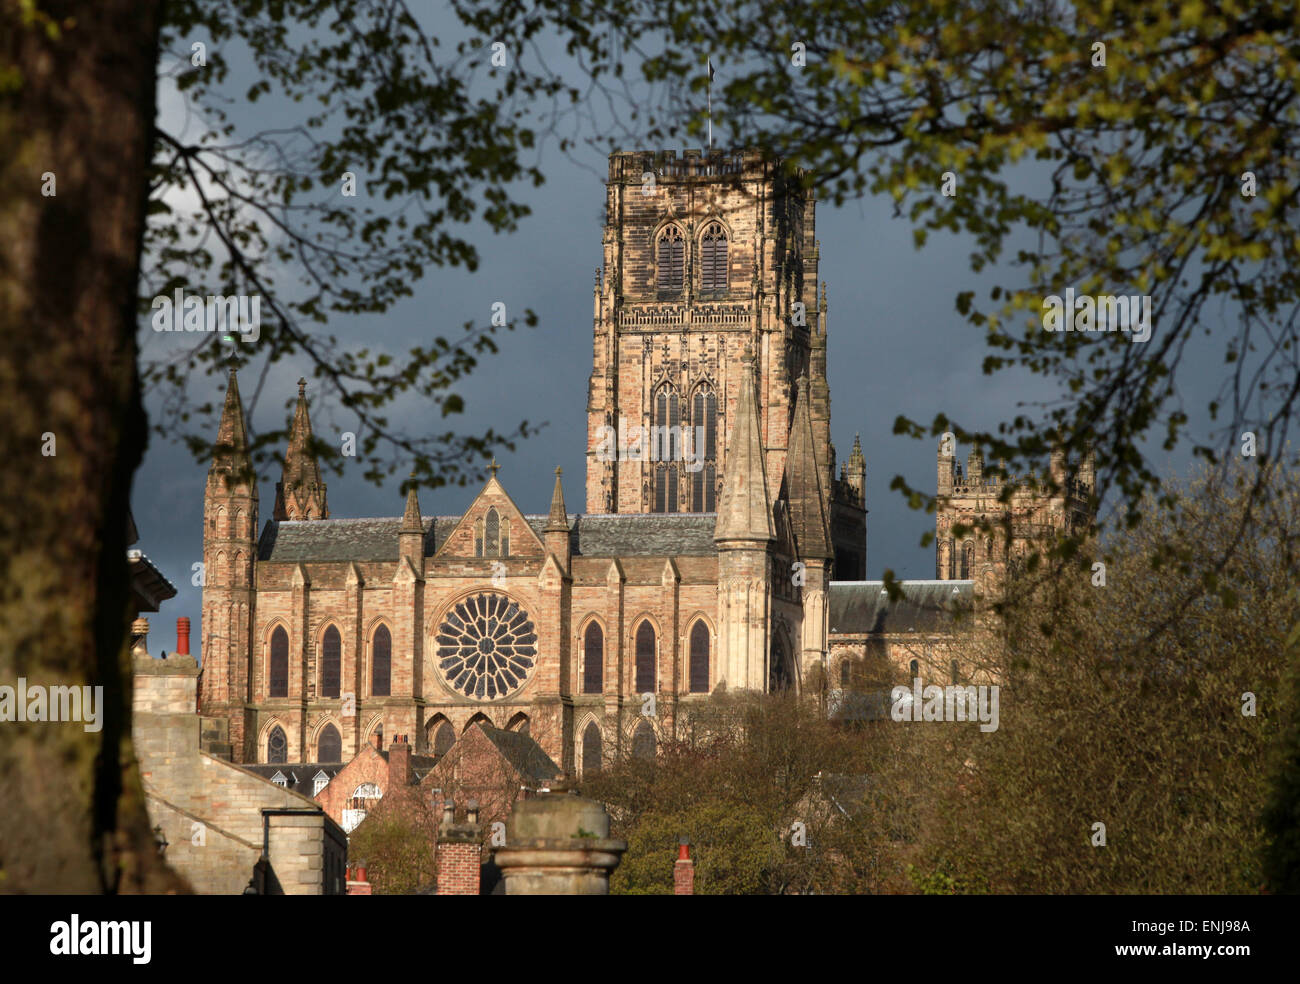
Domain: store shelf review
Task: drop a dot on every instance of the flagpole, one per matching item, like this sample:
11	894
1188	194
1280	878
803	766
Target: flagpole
709	62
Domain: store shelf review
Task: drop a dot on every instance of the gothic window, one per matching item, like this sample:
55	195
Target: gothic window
645	658
277	748
713	258
381	662
505	538
329	745
331	663
444	736
700	658
478	537
670	256
492	535
278	684
643	742
953	666
952	560
967	557
666	448
704	448
487	646
915	668
590	749
519	723
780	674
593	660
846	670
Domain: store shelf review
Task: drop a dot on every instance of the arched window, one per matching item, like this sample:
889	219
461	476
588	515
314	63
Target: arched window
780	674
700	658
381	667
643	742
278	682
505	538
666	448
713	258
967	557
593	660
492	535
915	668
444	736
518	723
670	262
277	748
591	749
846	670
331	663
478	537
329	746
704	448
645	658
953	666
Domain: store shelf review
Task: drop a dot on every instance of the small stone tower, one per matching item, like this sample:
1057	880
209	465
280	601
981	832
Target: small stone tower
229	554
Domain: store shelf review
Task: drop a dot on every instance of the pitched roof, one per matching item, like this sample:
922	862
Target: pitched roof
611	535
524	755
301	776
863	607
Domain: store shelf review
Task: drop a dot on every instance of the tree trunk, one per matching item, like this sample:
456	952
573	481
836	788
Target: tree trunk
77	103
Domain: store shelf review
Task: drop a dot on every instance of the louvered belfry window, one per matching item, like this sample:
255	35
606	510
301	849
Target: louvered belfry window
704	439
670	260
279	675
666	448
713	258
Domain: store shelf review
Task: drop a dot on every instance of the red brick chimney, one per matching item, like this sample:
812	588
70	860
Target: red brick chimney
459	851
684	870
377	739
399	763
182	636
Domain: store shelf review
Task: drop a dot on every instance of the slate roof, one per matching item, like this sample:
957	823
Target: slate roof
420	764
524	755
611	535
301	775
861	607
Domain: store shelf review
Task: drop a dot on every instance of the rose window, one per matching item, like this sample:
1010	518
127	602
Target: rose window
486	647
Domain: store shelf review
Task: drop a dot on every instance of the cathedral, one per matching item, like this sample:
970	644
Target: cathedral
719	548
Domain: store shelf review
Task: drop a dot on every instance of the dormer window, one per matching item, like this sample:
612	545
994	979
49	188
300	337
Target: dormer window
281	780
319	782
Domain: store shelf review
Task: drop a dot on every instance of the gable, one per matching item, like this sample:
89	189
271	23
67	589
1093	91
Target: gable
523	541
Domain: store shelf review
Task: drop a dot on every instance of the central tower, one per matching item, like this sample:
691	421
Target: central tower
705	258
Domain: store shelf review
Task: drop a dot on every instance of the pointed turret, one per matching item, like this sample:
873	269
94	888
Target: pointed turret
803	483
556	532
410	537
744	514
230	456
300	494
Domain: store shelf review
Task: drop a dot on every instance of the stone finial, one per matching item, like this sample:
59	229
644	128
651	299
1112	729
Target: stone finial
448	812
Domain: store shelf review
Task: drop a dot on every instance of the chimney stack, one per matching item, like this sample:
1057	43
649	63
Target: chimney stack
182	636
459	851
684	869
358	884
399	763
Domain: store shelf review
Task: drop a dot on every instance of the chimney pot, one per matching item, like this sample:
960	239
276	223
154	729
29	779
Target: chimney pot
182	636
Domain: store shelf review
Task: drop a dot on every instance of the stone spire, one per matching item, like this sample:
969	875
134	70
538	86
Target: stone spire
857	470
803	483
556	531
410	537
300	494
744	514
558	520
231	453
